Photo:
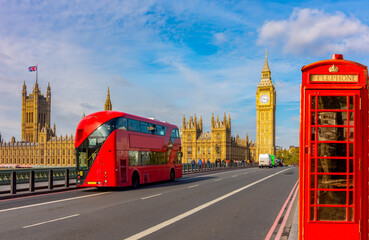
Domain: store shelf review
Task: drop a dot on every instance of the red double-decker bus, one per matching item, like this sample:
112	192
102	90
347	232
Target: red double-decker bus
116	149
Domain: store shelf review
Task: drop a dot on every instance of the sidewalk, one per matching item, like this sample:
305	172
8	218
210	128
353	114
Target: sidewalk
295	224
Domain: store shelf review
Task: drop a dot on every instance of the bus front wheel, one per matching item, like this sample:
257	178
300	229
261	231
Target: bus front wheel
135	180
172	175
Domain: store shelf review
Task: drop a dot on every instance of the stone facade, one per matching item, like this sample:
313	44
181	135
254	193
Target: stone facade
215	145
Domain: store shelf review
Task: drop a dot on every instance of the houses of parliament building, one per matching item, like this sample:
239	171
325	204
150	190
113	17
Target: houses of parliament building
41	146
217	145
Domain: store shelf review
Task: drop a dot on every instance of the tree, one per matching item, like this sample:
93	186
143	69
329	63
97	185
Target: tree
289	157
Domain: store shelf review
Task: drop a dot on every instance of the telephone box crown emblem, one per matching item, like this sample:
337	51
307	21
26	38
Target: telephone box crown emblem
333	69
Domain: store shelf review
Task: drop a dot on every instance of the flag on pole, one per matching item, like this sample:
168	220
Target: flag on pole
32	68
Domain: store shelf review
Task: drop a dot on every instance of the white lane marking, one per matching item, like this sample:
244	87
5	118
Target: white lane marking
199	208
193	186
235	176
46	203
217	180
54	220
151	196
213	174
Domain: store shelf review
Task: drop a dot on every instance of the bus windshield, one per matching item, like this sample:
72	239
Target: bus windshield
88	150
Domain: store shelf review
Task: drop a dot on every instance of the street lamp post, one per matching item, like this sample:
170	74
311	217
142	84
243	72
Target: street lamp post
216	154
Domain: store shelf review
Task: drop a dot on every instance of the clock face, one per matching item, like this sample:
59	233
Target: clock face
264	98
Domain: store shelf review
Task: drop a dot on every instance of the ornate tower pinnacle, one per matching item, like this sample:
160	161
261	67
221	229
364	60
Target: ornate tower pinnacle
36	90
266	74
24	91
212	120
108	106
184	122
48	92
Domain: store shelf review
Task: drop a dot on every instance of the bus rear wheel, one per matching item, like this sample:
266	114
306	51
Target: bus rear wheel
135	180
172	175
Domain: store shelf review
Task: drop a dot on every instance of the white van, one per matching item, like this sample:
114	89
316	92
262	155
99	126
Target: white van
265	160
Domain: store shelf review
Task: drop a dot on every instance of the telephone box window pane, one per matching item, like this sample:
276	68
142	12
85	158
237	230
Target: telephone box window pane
312	165
313	134
332	118
313	118
351	98
331	197
332	102
351	182
331	214
332	181
351	198
332	134
351	134
332	165
351	214
332	149
312	197
312	213
312	177
313	105
351	146
351	118
351	165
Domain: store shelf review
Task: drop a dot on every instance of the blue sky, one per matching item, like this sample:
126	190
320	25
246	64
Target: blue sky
164	59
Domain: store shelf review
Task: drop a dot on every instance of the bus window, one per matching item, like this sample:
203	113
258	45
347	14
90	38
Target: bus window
153	158
162	157
144	127
133	125
134	159
145	158
175	134
160	130
121	123
151	128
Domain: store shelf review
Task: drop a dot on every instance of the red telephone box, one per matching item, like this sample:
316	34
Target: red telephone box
334	150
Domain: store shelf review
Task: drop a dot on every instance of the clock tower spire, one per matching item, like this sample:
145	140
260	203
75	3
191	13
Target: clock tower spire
265	112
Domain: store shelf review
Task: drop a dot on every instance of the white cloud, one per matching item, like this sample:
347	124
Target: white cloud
315	32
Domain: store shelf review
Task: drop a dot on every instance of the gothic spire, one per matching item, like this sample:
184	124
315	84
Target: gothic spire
24	91
35	88
266	79
266	66
108	106
48	93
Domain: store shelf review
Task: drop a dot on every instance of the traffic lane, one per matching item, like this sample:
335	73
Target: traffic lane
247	215
60	205
104	212
61	210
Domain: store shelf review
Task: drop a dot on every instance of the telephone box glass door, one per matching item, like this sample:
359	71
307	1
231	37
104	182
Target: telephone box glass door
332	129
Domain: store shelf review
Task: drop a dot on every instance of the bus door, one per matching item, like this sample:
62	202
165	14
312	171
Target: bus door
122	167
332	150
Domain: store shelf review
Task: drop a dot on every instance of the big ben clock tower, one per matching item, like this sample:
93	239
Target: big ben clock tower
265	113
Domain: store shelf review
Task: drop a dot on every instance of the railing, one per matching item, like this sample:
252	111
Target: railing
15	177
63	176
190	168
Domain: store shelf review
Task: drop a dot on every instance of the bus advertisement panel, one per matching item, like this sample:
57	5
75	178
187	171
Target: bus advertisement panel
116	149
